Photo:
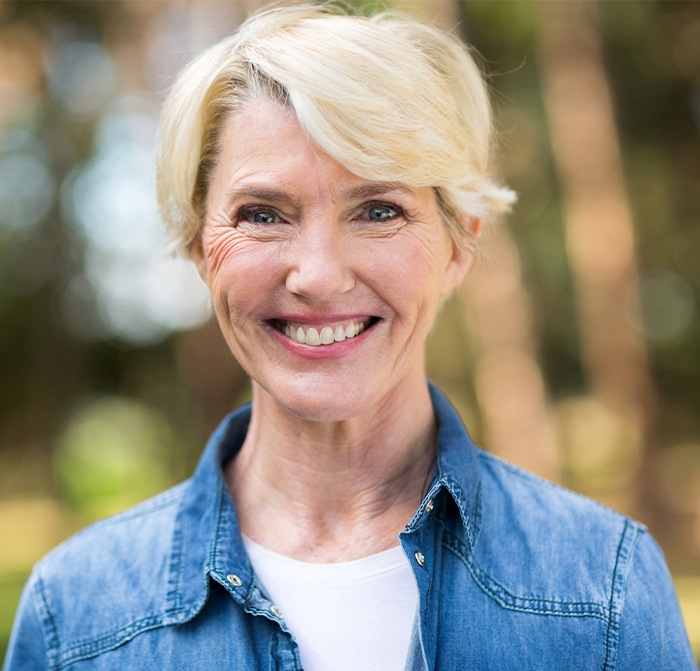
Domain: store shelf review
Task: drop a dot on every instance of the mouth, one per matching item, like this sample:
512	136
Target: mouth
320	335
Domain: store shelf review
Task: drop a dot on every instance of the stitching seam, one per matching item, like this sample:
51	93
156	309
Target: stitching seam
508	600
624	551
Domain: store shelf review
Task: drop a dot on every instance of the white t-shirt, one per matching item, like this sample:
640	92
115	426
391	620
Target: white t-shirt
348	616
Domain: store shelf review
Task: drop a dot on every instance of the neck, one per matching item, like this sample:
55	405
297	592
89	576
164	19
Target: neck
333	491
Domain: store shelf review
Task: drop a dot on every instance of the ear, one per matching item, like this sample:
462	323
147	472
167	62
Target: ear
198	257
462	256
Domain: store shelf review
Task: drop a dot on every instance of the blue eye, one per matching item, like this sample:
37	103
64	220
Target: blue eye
381	213
264	218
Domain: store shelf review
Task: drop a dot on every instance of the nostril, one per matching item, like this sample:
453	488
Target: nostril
320	280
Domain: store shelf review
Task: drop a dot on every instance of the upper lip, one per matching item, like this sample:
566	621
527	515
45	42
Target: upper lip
316	318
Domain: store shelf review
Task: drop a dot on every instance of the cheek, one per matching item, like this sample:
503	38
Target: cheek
418	265
231	258
242	275
410	279
220	250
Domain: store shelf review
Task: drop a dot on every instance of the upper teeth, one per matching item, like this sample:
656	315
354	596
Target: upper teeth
325	335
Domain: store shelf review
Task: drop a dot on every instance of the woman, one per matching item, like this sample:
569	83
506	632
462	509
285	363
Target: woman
329	176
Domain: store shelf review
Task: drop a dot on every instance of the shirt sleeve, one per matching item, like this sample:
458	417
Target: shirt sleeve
652	632
27	649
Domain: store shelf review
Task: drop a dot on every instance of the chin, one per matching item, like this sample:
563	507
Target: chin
335	405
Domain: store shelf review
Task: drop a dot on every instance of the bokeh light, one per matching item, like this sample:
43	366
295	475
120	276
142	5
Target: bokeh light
27	184
113	453
81	76
142	293
667	305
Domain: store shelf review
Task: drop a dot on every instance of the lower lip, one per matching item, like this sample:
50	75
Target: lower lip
334	351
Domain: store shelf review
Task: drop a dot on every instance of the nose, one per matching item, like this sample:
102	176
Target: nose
319	268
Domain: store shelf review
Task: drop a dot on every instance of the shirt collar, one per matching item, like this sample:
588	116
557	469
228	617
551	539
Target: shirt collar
207	541
457	470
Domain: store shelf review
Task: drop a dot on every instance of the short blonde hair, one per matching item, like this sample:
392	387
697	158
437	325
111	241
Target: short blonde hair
389	97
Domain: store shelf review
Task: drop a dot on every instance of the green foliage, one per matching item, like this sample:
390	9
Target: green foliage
113	453
11	585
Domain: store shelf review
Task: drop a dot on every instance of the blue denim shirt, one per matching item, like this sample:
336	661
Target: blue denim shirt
514	573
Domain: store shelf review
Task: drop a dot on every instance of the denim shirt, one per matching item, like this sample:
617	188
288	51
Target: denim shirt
513	573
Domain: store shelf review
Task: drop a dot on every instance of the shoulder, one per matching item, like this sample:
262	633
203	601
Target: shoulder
146	526
652	633
115	566
544	506
540	539
566	577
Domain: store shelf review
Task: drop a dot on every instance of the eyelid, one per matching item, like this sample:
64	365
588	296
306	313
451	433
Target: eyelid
247	211
399	211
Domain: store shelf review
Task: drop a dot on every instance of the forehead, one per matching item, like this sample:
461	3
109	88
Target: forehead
263	148
268	138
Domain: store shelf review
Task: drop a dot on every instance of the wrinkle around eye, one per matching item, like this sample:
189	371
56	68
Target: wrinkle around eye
383	233
222	240
383	228
227	221
220	246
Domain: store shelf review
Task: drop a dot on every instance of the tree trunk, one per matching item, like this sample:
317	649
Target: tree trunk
508	379
598	219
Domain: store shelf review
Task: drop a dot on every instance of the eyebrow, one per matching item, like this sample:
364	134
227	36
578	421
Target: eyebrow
375	189
275	195
269	194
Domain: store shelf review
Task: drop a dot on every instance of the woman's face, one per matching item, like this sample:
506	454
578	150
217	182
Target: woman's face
325	284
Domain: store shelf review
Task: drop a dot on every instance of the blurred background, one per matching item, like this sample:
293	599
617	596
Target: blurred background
573	348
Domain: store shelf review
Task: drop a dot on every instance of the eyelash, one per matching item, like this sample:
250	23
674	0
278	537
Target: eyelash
247	212
398	212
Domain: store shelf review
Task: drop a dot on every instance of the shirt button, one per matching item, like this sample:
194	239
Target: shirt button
420	558
234	579
429	506
276	611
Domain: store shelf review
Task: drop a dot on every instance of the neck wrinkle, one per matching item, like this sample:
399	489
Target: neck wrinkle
333	491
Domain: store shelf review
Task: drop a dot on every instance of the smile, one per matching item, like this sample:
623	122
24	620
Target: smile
328	334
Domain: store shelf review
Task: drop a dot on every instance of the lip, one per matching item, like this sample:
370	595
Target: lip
316	319
334	351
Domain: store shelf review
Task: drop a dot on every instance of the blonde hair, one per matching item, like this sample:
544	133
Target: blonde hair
389	97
